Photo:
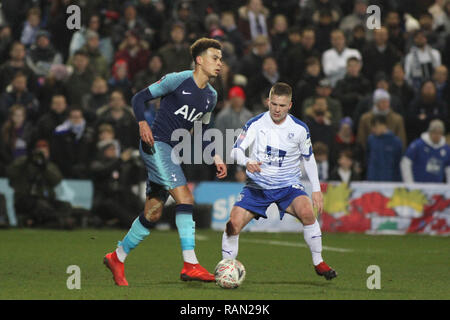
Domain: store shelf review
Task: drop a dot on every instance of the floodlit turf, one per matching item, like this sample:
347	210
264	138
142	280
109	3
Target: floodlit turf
33	265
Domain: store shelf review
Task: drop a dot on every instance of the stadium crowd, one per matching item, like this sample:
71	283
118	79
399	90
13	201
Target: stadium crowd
375	100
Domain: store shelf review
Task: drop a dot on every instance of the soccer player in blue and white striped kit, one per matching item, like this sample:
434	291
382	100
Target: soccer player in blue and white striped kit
279	143
185	97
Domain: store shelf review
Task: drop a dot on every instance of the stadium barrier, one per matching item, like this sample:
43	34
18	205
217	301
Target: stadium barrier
78	192
368	207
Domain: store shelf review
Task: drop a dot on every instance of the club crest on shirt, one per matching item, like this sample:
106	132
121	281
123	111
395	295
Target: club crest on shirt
290	135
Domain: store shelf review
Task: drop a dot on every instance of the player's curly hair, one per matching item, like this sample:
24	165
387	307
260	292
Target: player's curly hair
203	44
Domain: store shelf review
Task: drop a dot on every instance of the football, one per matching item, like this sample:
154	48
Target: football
229	273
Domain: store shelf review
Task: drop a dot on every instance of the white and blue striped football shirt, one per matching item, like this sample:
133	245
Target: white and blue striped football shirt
280	148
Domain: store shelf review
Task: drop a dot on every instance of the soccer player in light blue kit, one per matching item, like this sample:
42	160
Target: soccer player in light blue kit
185	97
279	142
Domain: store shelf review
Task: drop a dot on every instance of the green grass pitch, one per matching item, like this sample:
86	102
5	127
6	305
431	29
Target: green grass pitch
33	265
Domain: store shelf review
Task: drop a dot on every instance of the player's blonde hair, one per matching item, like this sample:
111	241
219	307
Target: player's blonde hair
281	89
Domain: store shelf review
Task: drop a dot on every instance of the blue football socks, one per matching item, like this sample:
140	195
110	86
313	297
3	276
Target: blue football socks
186	226
139	231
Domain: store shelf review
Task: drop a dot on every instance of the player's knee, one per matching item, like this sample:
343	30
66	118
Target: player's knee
153	213
308	217
232	228
186	199
155	216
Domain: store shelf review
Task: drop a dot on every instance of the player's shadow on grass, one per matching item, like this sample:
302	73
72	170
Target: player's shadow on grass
189	284
297	283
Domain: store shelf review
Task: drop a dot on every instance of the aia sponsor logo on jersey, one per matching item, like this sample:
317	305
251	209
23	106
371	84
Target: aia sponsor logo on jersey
188	114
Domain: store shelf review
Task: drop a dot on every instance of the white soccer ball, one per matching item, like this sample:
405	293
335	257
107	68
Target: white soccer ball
229	273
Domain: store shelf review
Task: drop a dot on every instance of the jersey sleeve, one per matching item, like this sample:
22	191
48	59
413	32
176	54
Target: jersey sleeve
244	140
305	143
168	83
207	116
246	137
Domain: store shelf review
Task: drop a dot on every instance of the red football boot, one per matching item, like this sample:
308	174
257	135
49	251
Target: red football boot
322	269
117	268
195	272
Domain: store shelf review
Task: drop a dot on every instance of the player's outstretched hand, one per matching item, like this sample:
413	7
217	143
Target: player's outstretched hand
146	133
317	199
253	166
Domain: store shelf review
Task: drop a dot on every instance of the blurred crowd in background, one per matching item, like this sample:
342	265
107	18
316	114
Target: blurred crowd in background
375	100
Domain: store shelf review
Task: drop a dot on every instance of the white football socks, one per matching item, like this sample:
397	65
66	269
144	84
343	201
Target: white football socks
230	246
121	254
313	238
189	256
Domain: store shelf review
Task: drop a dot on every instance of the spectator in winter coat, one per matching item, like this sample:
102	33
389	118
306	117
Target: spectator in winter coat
319	123
121	117
352	88
18	94
176	54
421	61
51	119
384	151
440	78
73	145
42	55
306	86
34	178
380	55
399	87
395	123
16	63
81	79
95	99
134	51
114	174
423	109
252	21
16	133
324	90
